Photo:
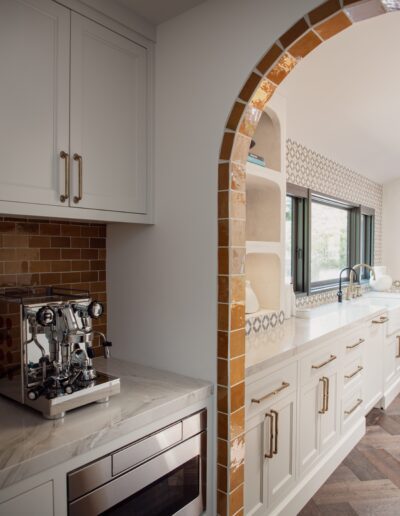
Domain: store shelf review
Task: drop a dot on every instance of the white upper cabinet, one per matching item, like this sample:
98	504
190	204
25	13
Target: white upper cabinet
75	116
108	119
34	99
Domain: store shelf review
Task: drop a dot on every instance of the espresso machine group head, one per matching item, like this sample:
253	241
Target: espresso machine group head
49	363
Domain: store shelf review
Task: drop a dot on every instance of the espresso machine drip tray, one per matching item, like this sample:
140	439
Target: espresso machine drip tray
49	363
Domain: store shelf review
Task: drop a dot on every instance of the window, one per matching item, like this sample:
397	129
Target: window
324	236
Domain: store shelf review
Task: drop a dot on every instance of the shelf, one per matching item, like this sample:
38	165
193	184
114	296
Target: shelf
252	169
255	246
264	273
268	138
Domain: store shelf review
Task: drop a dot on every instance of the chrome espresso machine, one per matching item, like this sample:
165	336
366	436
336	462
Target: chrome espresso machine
46	356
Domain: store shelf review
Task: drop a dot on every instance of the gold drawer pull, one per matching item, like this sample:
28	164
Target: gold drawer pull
79	197
270	453
381	320
275	414
352	346
330	359
348	412
358	370
284	385
325	395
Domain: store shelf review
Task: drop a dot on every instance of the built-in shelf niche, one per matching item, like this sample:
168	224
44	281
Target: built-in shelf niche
263	270
263	208
268	140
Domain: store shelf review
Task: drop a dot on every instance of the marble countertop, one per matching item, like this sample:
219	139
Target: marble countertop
297	335
30	444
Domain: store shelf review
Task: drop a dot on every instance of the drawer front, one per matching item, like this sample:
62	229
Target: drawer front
353	344
352	407
271	388
393	324
353	372
319	362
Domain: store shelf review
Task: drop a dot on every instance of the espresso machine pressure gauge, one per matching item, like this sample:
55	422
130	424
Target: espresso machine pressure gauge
95	310
45	316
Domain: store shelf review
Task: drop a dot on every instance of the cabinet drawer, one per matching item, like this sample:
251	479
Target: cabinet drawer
353	372
352	407
353	344
271	388
320	361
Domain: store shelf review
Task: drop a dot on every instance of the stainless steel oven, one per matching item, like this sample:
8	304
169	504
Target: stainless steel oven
160	475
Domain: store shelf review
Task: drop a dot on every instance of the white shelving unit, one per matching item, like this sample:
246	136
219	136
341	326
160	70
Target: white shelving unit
265	209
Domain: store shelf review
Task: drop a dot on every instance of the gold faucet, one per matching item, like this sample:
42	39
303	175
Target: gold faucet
350	289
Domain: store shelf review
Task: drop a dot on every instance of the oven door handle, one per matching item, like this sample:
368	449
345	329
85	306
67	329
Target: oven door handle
126	485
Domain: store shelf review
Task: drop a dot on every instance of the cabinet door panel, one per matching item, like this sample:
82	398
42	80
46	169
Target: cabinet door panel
373	377
108	118
34	105
310	403
330	421
36	502
255	467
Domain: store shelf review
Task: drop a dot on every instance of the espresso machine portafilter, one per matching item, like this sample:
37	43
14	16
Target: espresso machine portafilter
50	367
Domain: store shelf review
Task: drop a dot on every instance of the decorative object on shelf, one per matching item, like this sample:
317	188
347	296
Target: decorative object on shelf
256	159
382	283
252	304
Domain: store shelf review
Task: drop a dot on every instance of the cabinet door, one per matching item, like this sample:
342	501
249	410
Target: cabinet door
390	366
310	404
108	118
282	467
36	502
34	99
330	419
373	377
255	467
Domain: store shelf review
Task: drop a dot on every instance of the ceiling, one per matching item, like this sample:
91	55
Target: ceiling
343	99
158	11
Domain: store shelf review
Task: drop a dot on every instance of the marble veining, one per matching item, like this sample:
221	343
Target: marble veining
30	444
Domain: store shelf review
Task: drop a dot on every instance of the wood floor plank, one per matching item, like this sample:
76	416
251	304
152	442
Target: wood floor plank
377	507
362	468
385	463
342	474
310	509
355	491
337	509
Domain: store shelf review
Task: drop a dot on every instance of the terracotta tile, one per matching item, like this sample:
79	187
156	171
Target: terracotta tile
79	242
102	230
222	452
305	45
61	266
234	117
222	478
223	205
222	504
101	274
294	32
8	280
250	120
222	371
238	233
27	254
237	343
249	87
102	253
269	59
241	148
223	289
90	231
40	266
71	231
222	425
265	91
50	278
236	477
97	243
7	254
237	260
236	500
237	366
50	229
223	233
89	254
27	228
28	280
71	277
50	254
237	397
223	176
72	254
237	424
237	317
223	342
98	265
39	241
80	265
238	177
238	205
7	227
223	316
283	67
333	26
60	242
238	289
222	404
223	260
323	11
226	146
92	276
15	267
13	240
236	451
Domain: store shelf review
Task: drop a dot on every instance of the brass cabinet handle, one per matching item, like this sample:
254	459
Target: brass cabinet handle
270	453
351	375
398	349
348	412
325	395
352	346
275	414
65	195
381	320
276	391
78	197
330	359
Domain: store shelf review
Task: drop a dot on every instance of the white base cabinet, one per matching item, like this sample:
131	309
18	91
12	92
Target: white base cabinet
38	501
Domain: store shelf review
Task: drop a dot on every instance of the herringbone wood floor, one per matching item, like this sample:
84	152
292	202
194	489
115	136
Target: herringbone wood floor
367	483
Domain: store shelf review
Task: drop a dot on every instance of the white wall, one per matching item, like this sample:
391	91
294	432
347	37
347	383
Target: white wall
162	280
390	228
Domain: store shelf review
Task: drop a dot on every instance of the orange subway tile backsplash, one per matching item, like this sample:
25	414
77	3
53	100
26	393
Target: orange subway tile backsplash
50	252
333	26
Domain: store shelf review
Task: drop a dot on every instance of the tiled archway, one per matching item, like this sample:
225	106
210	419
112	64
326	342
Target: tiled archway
303	37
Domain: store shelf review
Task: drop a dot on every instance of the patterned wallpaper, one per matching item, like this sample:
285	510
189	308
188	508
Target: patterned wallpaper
310	169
